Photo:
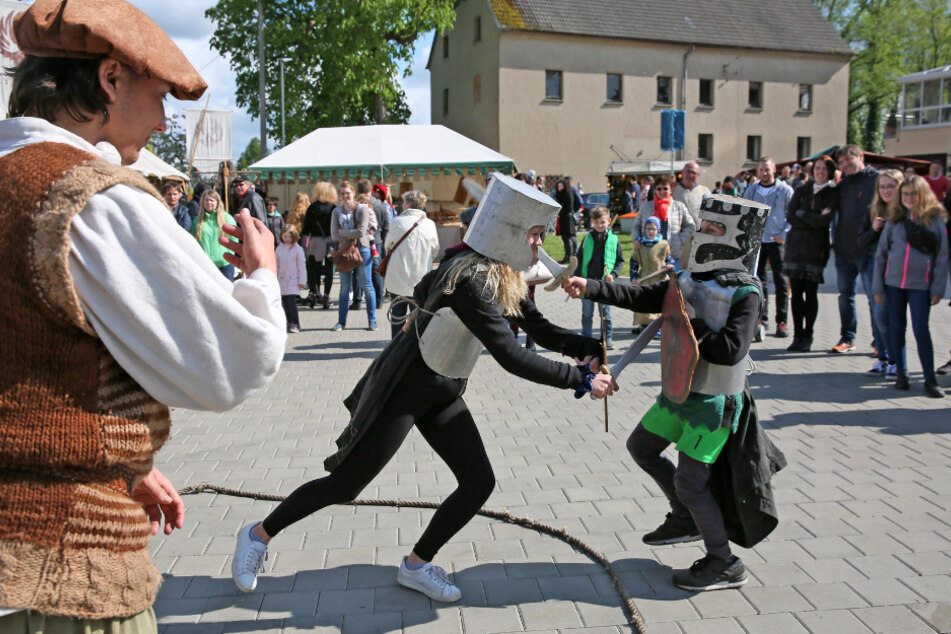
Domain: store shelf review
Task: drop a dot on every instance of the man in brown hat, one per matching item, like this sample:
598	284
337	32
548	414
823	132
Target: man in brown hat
111	314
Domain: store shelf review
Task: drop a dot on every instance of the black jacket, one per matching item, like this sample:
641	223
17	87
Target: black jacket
740	479
567	225
807	243
853	224
317	220
253	202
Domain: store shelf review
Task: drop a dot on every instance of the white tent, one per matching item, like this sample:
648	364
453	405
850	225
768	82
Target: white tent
430	158
381	151
148	164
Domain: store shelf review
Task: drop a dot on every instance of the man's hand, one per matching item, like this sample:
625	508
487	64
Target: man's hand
609	278
691	313
935	299
878	224
828	210
575	286
880	299
779	240
158	497
602	385
255	249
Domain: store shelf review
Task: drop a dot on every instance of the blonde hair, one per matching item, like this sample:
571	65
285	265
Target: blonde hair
504	286
926	208
879	208
296	214
364	199
324	192
220	215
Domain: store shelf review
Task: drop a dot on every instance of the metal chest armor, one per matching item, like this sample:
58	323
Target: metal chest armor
711	302
448	347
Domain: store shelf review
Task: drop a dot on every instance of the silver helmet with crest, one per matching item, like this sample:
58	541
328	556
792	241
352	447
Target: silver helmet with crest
738	248
507	211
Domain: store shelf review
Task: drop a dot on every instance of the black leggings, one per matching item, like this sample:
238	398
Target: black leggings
449	429
805	305
317	269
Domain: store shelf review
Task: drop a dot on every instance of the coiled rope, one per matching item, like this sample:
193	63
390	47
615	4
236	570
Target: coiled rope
634	618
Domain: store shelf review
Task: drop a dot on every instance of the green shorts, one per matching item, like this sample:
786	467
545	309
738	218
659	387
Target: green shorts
697	441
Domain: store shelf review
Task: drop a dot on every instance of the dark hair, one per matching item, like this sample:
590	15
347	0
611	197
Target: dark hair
662	180
364	186
171	184
831	165
45	86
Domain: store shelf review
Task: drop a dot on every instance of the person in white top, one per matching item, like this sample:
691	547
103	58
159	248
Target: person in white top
413	258
185	335
690	192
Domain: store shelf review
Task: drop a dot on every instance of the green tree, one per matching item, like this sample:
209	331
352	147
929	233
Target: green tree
251	154
343	58
890	38
170	146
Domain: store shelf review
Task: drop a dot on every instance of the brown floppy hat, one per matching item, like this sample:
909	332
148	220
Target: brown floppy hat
107	28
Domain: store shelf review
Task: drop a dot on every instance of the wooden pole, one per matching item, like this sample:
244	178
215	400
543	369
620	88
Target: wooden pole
201	125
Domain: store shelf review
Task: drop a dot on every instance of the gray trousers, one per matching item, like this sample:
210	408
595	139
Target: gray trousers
687	487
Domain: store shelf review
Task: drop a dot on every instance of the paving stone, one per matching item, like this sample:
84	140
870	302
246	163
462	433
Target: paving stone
830	596
893	618
491	620
441	621
772	624
549	614
773	599
837	621
937	615
713	626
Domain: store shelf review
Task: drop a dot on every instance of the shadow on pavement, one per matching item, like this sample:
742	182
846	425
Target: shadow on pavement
347	596
337	351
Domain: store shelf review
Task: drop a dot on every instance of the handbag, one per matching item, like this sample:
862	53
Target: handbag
347	258
920	238
380	269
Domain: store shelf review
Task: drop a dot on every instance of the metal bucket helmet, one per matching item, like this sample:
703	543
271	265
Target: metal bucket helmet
738	248
509	208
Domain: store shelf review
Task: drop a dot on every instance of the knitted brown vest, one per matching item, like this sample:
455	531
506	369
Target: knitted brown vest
75	429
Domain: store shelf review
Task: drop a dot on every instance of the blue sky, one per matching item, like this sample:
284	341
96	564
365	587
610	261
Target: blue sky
192	31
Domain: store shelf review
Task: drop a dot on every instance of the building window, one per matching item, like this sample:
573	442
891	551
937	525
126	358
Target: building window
614	88
706	93
754	148
477	89
664	89
478	29
553	84
756	94
445	46
445	101
705	147
803	146
926	102
805	97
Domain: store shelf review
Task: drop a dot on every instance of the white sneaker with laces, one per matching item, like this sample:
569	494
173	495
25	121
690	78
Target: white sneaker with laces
248	559
430	580
892	371
878	369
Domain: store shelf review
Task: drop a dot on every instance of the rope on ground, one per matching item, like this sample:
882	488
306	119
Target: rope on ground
634	617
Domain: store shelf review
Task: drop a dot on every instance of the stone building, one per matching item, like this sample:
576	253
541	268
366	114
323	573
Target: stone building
567	86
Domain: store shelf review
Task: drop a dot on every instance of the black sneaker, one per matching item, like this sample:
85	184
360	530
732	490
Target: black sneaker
712	573
945	369
674	530
901	381
932	390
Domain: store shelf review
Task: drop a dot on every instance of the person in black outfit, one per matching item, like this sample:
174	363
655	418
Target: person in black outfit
419	379
249	199
811	210
316	234
567	225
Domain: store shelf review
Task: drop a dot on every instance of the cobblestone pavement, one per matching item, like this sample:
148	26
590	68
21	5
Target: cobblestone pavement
863	545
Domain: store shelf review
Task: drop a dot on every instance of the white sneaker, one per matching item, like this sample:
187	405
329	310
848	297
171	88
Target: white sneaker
430	580
249	556
892	371
878	369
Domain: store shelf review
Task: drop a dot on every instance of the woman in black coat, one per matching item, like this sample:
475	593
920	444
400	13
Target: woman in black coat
567	225
812	207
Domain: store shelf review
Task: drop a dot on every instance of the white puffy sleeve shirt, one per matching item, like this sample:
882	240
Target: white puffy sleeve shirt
190	337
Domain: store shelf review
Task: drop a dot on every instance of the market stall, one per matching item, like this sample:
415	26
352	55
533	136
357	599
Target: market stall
429	158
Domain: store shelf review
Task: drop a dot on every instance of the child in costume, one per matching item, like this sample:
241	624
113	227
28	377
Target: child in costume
723	300
652	256
601	257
